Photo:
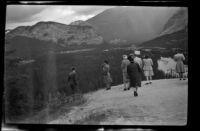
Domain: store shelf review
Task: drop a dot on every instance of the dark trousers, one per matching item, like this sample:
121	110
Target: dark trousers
73	88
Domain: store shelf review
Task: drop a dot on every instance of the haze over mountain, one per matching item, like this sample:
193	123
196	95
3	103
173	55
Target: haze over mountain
177	22
174	33
134	24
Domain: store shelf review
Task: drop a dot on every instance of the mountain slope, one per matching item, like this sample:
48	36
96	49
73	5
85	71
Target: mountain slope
177	39
29	48
134	24
58	33
177	22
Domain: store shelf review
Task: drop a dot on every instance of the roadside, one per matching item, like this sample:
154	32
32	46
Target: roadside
164	102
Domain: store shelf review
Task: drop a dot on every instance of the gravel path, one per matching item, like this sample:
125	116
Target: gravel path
164	102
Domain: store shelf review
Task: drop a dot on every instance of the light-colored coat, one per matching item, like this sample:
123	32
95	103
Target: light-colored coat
179	58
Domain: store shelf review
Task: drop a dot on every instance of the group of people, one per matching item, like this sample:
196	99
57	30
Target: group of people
132	68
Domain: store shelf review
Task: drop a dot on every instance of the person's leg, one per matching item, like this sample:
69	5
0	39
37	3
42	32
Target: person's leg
108	86
72	88
124	81
135	91
150	79
147	79
180	75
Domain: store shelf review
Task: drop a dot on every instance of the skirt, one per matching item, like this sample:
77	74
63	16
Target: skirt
125	77
107	79
180	68
148	72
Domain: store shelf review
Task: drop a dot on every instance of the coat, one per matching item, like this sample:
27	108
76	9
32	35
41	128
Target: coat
179	58
106	74
134	72
72	80
124	65
139	61
147	67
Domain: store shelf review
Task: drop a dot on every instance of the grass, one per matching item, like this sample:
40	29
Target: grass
54	111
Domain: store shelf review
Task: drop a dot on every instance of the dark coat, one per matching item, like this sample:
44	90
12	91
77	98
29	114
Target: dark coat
72	80
134	73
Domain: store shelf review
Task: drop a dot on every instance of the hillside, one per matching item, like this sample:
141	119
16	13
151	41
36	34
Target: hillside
133	24
177	22
58	33
25	47
164	102
177	39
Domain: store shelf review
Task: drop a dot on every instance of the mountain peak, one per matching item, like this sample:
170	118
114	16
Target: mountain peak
80	23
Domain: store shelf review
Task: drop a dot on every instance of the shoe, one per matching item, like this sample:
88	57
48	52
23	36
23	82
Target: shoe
146	83
184	79
150	82
125	89
128	89
135	93
180	79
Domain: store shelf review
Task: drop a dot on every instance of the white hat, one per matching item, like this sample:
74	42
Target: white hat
125	56
137	52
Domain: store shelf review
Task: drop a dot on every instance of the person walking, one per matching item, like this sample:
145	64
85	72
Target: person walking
133	71
138	60
72	80
106	75
180	68
124	64
148	70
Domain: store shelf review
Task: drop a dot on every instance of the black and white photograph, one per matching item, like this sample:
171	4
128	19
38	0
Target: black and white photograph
96	65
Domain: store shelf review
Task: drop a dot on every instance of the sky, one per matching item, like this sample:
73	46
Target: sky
27	15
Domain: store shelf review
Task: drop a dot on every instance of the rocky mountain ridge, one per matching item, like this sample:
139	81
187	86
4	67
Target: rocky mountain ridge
58	33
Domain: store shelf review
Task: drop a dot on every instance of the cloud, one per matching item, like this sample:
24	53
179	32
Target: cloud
18	15
22	13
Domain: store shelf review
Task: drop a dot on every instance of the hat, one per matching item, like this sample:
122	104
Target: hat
125	56
131	54
137	52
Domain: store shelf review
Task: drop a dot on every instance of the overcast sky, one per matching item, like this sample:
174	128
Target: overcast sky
23	15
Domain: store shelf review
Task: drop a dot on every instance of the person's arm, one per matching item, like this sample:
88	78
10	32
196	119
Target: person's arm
151	62
183	57
122	65
128	71
139	69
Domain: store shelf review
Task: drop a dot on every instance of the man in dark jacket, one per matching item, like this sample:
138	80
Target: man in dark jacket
133	71
72	80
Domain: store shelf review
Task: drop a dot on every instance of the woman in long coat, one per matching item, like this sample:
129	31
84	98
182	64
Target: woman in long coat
180	68
106	75
133	71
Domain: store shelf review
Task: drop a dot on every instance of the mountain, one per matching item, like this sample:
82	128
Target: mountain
133	24
177	22
177	39
74	34
29	48
174	33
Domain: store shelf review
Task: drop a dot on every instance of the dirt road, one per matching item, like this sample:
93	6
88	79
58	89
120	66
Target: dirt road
164	102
